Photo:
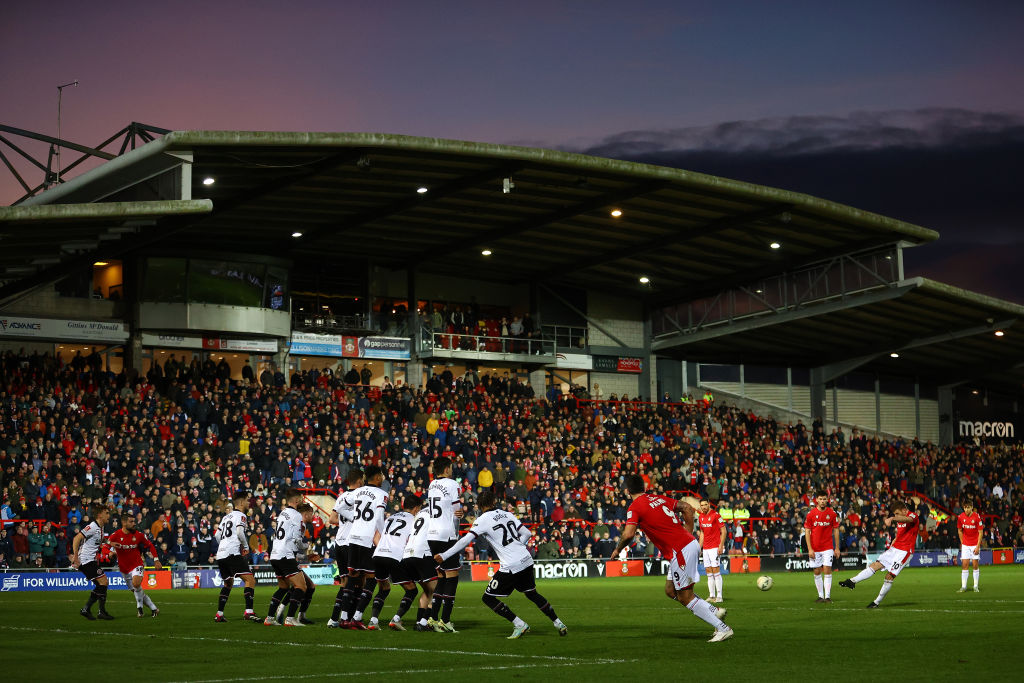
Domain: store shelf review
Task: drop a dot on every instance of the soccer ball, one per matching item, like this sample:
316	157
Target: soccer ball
765	582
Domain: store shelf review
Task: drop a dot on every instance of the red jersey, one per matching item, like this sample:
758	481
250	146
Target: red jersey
655	517
821	523
906	533
129	548
970	527
711	525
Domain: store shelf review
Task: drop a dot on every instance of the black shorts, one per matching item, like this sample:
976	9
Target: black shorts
437	547
92	570
286	567
503	583
360	558
389	569
419	569
232	566
341	557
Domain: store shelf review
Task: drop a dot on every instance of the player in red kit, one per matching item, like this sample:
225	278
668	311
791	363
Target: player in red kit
129	543
711	528
969	526
656	517
821	529
895	558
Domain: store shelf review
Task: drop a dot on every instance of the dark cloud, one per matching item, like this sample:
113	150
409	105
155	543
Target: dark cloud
954	171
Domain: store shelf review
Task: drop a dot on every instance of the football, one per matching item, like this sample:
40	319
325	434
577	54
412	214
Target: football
764	582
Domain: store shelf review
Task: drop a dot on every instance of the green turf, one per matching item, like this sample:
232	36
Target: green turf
618	628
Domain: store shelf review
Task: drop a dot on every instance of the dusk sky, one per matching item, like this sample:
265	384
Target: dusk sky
909	109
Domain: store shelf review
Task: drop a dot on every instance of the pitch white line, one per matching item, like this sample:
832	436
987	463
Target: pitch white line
334	674
471	653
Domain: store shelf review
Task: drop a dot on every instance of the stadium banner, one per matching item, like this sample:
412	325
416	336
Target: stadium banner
574	361
175	341
542	569
1018	555
395	348
974	418
940	558
659	567
73	580
75	330
742	564
847	562
624	568
1002	555
306	344
209	577
631	365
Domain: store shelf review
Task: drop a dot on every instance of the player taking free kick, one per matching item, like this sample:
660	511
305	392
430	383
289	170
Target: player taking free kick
895	558
656	517
128	543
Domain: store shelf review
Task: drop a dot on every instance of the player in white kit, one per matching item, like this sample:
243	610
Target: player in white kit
232	536
445	508
85	546
507	536
387	562
370	508
418	564
289	542
341	515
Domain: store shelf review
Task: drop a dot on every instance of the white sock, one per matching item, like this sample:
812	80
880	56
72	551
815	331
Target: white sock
819	583
828	586
396	619
358	616
977	576
422	622
518	623
344	616
148	602
558	623
706	611
964	573
373	620
302	615
865	573
711	586
220	613
138	597
280	611
718	583
886	585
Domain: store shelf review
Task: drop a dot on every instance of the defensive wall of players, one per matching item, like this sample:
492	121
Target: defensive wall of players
323	574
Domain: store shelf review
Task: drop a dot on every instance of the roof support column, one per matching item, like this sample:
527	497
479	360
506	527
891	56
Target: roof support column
946	425
412	313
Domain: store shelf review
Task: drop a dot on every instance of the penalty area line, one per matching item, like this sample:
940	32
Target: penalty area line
370	648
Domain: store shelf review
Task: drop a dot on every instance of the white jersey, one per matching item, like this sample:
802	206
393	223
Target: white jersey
344	506
231	534
417	546
506	535
395	536
288	540
93	533
370	508
442	502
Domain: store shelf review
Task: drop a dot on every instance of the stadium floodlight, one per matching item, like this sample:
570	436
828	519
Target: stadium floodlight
296	234
999	333
894	355
208	181
421	190
644	280
486	252
775	245
616	213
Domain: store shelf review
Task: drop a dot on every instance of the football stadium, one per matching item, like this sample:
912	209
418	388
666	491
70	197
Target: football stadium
409	386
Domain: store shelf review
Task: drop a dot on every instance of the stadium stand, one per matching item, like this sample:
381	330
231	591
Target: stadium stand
172	452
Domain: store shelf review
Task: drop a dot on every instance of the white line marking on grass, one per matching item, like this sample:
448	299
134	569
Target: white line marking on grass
164	636
888	609
335	674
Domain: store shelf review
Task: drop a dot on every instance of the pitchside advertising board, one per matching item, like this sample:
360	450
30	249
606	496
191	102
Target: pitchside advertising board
73	580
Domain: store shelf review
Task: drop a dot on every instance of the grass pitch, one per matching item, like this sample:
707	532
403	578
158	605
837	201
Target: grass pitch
618	628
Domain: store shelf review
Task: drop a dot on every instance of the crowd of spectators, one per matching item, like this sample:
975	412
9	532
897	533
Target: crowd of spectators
171	449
